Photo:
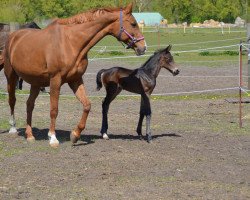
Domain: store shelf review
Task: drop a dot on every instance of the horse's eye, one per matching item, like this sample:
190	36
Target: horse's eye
134	24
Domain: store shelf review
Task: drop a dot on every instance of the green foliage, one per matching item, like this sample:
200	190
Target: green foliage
174	10
199	10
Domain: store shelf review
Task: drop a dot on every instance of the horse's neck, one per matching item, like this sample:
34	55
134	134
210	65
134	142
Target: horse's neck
84	36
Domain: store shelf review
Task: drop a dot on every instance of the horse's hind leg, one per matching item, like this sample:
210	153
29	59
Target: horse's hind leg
112	90
34	91
12	79
79	90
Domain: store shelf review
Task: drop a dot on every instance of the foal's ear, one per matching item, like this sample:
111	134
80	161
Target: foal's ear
168	48
129	8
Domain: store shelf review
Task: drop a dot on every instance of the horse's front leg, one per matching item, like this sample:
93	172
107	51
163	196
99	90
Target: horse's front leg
55	85
79	90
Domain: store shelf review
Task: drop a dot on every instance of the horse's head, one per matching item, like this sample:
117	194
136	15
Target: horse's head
127	30
167	61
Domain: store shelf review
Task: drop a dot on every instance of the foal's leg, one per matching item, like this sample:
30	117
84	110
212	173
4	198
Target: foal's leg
12	79
79	90
112	90
55	85
20	84
139	126
147	112
34	91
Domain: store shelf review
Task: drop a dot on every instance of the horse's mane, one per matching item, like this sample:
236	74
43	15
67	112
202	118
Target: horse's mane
153	57
85	17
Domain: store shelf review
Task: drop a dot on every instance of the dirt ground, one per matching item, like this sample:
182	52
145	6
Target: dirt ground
198	151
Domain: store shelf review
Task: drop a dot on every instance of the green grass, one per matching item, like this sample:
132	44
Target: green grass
197	39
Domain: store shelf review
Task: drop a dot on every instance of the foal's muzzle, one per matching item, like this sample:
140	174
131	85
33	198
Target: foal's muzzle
175	72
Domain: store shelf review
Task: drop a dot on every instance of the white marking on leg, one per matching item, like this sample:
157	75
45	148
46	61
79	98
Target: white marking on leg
105	136
49	134
53	140
12	123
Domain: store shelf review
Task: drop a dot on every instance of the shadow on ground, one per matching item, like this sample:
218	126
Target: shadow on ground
63	136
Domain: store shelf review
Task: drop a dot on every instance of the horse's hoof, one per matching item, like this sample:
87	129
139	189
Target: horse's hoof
105	136
73	137
53	141
31	139
12	130
54	144
140	137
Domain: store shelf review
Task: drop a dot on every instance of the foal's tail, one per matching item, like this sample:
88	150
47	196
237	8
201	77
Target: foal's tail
99	79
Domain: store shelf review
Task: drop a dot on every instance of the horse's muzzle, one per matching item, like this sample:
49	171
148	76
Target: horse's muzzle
140	50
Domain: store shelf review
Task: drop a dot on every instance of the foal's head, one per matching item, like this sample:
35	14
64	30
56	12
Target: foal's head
167	61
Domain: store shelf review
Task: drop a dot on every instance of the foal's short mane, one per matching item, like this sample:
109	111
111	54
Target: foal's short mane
153	57
86	16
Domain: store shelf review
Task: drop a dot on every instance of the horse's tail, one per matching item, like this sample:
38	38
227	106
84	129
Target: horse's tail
99	79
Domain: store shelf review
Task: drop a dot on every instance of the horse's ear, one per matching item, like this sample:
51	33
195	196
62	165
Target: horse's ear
129	8
168	48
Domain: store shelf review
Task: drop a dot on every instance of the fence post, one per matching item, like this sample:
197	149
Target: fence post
240	84
14	26
248	41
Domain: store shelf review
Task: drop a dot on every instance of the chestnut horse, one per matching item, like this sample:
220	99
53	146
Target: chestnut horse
141	81
58	55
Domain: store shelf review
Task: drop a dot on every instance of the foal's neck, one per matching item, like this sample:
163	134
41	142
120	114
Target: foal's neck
152	68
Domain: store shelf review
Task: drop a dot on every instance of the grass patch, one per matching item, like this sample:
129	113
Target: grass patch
116	53
211	53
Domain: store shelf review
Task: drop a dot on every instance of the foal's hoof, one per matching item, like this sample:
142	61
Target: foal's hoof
140	137
105	136
149	139
30	139
73	137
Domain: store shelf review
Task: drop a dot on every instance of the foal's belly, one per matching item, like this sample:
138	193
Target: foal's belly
131	84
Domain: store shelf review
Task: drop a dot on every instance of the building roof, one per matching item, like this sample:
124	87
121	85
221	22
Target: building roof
149	18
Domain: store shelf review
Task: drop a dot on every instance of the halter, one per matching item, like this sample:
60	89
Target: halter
133	39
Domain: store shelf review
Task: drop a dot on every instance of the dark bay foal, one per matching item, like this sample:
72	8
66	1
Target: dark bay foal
140	81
